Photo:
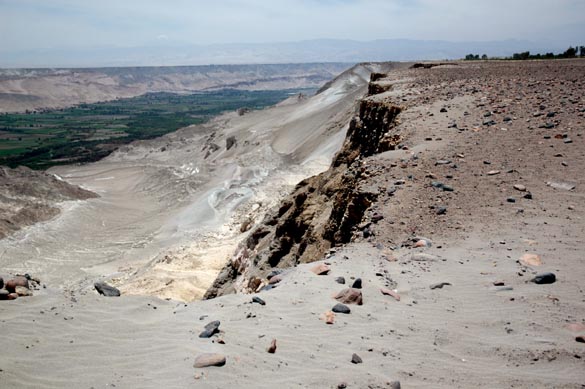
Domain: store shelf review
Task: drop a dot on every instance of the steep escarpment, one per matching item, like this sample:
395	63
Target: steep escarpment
28	197
322	211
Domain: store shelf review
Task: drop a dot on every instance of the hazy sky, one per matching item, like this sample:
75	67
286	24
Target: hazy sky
30	24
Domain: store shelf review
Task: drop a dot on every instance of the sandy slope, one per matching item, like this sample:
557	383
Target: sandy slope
470	334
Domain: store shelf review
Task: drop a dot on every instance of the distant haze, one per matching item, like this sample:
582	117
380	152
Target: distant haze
67	33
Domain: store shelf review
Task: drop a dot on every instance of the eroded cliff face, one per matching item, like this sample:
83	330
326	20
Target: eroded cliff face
323	211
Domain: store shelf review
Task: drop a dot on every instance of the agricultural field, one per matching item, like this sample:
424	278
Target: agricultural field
89	132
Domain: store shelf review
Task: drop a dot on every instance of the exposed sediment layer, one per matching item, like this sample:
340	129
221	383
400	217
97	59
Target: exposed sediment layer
323	210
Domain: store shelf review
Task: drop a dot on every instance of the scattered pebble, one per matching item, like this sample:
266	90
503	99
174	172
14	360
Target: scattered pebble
544	278
208	359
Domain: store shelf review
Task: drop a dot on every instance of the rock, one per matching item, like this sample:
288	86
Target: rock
448	188
442	162
4	294
340	280
357	284
530	260
389	292
356	359
568	140
208	359
350	296
511	200
1	282
275	279
520	187
561	185
329	317
11	296
423	242
439	285
580	339
394	385
22	291
528	196
321	269
341	308
258	300
16	281
493	172
441	210
443	110
544	278
106	290
230	142
342	385
376	217
272	348
210	329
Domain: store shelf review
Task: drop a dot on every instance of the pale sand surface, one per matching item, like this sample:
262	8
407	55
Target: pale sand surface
469	334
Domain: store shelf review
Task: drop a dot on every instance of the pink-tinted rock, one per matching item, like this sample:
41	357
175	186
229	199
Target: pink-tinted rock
321	269
530	260
350	296
16	281
208	359
12	296
328	317
390	292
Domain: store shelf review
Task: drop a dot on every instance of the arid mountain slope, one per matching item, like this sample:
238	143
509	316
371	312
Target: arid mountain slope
31	89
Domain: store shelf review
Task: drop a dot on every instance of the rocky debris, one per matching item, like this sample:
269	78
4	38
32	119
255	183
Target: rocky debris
390	292
350	296
544	278
22	291
209	359
272	348
340	280
439	285
30	196
18	281
355	359
210	329
106	290
531	260
357	284
230	142
341	308
321	269
258	300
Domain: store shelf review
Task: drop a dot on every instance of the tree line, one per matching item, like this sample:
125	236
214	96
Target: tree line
571	52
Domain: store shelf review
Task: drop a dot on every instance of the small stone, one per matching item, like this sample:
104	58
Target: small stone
342	385
350	296
16	281
423	242
272	348
528	196
258	300
568	140
329	317
22	291
4	294
439	285
106	290
544	278
208	359
275	279
493	172
511	200
499	283
355	359
441	210
12	296
376	217
321	269
448	188
530	260
520	187
442	162
389	292
340	280
1	282
357	284
341	308
211	329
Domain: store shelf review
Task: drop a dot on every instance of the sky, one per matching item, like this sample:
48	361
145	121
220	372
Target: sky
65	24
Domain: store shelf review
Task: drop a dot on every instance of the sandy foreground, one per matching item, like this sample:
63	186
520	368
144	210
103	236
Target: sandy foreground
507	138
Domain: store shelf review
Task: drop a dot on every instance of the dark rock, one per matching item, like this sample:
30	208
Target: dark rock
350	296
580	339
272	348
357	284
340	280
441	210
442	110
437	184
511	200
544	278
342	385
210	329
528	196
106	290
207	360
448	188
442	162
376	217
1	282
439	285
258	300
4	294
356	359
341	308
230	142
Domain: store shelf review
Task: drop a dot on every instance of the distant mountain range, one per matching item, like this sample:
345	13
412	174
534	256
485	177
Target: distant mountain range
325	50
